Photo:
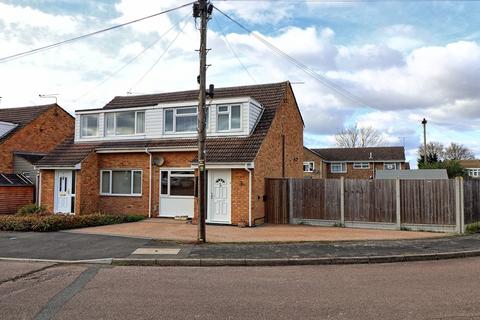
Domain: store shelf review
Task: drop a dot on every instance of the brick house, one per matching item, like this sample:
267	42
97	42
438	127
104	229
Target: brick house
314	166
361	163
472	167
28	133
138	154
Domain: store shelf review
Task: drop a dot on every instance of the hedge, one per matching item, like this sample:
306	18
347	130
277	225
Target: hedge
42	223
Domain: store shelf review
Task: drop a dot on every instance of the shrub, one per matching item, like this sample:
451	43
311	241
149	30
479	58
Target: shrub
473	227
48	223
31	209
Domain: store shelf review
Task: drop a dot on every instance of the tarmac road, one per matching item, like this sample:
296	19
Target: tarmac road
446	289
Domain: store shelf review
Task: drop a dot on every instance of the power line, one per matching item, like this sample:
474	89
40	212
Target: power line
54	45
131	60
320	78
224	37
159	58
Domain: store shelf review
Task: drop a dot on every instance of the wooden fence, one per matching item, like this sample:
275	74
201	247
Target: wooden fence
415	204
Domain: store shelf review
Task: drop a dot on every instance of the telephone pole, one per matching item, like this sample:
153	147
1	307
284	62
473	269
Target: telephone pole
202	9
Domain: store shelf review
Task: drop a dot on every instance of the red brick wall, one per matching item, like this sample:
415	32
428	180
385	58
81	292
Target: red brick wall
319	171
87	186
268	164
239	198
358	173
41	135
14	197
47	189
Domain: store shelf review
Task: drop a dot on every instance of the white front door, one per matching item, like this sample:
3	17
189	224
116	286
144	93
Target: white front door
63	191
220	195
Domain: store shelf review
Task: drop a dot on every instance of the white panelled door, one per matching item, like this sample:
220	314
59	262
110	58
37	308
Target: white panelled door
63	191
220	195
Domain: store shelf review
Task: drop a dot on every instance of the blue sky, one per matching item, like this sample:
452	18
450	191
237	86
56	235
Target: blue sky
405	60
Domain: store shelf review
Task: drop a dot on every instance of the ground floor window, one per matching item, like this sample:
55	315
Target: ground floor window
474	173
121	182
177	183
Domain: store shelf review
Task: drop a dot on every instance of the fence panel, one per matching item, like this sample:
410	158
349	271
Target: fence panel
471	196
277	204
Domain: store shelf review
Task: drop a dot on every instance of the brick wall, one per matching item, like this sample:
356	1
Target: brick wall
268	164
87	186
358	173
320	166
13	198
47	189
239	196
41	135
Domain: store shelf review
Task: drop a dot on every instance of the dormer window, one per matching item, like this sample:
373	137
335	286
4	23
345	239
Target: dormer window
89	125
124	123
182	120
229	118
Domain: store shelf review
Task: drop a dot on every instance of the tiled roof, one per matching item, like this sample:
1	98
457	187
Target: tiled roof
31	157
13	179
228	149
21	116
362	154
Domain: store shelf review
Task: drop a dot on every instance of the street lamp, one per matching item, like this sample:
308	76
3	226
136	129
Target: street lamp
424	123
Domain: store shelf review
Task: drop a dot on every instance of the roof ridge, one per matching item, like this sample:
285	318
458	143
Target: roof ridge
27	107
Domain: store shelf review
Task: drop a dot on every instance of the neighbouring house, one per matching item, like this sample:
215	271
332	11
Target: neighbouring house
361	163
138	155
313	165
416	174
472	167
29	133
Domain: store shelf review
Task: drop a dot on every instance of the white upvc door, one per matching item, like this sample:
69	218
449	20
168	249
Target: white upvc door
219	196
63	191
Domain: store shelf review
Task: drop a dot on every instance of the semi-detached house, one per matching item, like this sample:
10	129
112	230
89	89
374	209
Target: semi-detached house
138	155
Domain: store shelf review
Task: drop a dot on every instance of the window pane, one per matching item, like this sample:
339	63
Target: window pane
89	125
223	122
182	173
105	182
164	182
140	122
182	186
223	109
235	110
187	110
186	123
137	182
121	182
169	121
125	123
109	124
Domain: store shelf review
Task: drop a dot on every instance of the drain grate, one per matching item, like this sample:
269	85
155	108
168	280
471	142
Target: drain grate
172	251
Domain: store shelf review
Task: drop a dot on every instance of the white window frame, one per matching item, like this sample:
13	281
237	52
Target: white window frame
361	165
229	112
343	164
169	171
310	165
174	124
131	194
474	172
390	163
82	121
115	124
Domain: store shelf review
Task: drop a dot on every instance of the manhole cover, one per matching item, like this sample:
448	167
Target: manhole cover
156	251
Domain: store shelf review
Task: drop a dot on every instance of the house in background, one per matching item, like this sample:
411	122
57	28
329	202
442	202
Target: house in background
472	167
313	165
361	163
416	174
28	133
138	155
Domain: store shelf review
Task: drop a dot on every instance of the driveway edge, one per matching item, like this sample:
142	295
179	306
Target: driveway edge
206	262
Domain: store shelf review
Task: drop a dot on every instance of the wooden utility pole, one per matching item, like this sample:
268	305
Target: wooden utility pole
202	9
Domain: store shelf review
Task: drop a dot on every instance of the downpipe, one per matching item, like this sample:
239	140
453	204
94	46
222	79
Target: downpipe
249	195
149	185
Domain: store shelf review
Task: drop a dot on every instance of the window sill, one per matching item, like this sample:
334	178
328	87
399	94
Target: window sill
165	196
121	195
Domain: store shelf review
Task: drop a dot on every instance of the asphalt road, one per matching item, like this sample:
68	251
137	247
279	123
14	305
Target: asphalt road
446	289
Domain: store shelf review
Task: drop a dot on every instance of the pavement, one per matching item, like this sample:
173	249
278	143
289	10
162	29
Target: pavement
418	290
69	247
181	231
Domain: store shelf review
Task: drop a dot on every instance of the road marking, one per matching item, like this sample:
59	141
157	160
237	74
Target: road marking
57	302
156	251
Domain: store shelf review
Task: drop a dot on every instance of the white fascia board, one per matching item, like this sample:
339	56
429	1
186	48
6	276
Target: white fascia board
78	166
80	112
194	103
142	150
357	161
226	165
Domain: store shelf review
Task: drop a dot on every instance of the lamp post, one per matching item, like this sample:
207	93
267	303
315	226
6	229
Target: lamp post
424	123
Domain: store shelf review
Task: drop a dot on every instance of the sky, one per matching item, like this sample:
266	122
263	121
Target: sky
395	62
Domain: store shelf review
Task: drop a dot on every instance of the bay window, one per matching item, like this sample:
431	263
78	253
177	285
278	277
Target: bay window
229	117
124	123
121	182
89	125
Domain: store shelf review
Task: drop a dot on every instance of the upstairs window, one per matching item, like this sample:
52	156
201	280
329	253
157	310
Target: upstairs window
182	120
229	118
361	165
89	125
390	166
338	167
308	166
124	123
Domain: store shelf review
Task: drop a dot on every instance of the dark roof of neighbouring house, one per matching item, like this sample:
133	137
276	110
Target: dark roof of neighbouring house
225	149
22	116
418	174
31	157
13	179
362	154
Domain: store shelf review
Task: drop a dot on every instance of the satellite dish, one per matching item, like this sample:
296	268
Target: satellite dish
159	161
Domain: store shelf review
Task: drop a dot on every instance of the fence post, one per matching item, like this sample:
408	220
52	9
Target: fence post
397	204
458	220
290	201
462	206
342	201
